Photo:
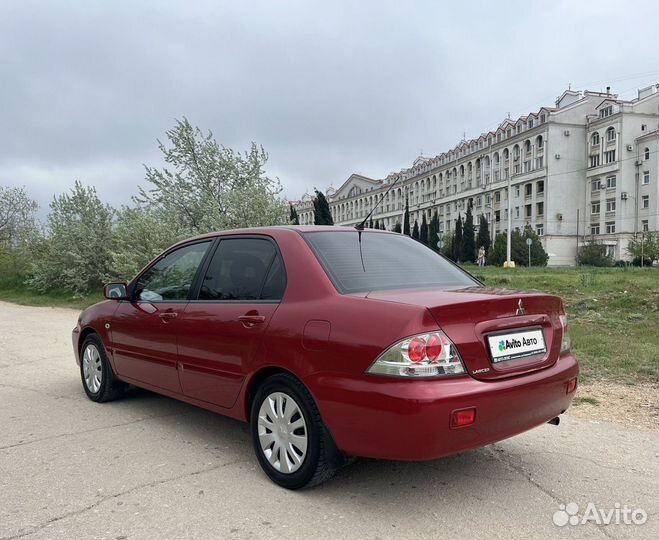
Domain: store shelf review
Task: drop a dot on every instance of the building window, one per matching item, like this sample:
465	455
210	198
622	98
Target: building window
539	162
595	139
528	190
527	211
530	123
609	156
645	201
497	216
610	251
540	229
594	228
479	201
644	127
497	196
610	182
646	153
540	209
543	118
611	134
594	161
606	111
610	205
539	142
527	166
595	208
516	191
645	226
646	178
610	227
540	187
517	212
596	185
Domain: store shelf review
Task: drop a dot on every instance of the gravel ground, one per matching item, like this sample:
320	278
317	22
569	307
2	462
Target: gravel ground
151	467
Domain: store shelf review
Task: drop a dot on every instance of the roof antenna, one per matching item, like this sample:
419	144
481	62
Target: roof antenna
360	226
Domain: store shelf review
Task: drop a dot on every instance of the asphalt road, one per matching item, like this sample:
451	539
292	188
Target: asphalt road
151	467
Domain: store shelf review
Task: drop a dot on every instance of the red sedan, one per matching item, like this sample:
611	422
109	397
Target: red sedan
331	342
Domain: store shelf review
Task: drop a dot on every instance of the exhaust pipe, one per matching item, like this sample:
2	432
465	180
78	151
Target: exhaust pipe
555	421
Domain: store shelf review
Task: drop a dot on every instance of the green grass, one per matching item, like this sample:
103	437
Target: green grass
13	289
613	314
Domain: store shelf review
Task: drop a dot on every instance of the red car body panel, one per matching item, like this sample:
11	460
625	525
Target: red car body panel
205	356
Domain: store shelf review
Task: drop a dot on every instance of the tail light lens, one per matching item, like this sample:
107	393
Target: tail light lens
565	341
424	355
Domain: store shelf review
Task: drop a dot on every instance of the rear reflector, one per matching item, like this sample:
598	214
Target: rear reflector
571	385
463	417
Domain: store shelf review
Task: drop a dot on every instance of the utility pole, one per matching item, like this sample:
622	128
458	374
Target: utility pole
577	257
510	221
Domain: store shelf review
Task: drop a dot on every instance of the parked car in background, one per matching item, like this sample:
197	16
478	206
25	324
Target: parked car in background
331	342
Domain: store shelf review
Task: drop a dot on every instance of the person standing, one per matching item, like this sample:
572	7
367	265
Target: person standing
481	256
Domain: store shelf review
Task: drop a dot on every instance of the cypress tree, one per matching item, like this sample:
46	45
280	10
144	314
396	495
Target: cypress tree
415	230
321	210
382	227
398	228
423	231
294	218
457	240
484	234
468	246
406	218
433	232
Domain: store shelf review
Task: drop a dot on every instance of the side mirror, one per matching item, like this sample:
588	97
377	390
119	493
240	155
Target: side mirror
115	291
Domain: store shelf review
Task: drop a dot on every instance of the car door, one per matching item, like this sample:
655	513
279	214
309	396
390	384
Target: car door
144	331
222	329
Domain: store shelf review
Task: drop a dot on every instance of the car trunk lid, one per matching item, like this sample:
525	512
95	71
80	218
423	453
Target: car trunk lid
498	332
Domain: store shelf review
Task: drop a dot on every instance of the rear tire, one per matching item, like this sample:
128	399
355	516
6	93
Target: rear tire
290	440
98	380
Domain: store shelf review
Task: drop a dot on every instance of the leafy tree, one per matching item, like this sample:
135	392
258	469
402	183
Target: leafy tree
321	210
423	231
433	232
539	256
18	228
593	254
519	251
139	235
457	240
447	246
645	245
483	238
468	241
293	217
75	255
415	230
406	218
398	228
206	186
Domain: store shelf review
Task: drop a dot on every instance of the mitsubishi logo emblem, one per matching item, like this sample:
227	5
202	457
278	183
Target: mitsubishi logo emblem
520	308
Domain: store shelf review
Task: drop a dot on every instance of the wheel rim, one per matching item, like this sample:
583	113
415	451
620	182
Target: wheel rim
282	432
92	368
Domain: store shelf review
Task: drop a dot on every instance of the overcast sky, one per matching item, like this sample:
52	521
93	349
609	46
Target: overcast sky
328	88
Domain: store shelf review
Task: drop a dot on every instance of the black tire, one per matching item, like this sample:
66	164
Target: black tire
110	387
322	458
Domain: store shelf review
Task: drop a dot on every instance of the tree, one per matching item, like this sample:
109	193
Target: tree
483	238
206	186
539	256
593	254
447	245
321	210
433	232
415	230
645	246
293	217
18	227
406	217
468	241
75	256
519	251
457	240
398	228
423	231
382	227
377	225
139	235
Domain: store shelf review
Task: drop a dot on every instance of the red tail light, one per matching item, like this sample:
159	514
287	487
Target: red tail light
433	347
571	385
463	417
416	350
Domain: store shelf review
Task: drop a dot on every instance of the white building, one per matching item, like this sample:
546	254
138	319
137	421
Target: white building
586	167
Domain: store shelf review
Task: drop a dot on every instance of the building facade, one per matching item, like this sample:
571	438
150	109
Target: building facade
585	168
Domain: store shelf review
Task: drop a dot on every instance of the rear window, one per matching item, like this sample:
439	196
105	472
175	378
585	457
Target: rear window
390	261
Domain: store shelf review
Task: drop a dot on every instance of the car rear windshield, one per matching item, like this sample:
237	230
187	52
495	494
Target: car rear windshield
387	261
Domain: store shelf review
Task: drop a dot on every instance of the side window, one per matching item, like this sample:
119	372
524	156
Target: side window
244	269
172	276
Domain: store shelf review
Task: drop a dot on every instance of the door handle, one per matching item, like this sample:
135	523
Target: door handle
168	316
251	320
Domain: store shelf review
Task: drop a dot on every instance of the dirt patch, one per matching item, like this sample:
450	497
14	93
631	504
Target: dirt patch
635	405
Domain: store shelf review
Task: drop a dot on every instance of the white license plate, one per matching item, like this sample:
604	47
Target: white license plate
516	345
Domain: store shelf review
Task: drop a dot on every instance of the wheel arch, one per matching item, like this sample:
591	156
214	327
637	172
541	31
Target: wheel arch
256	380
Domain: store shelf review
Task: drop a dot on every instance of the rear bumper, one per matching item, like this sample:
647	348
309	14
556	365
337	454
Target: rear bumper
388	418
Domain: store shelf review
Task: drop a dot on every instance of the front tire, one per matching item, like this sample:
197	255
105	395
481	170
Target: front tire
290	440
98	380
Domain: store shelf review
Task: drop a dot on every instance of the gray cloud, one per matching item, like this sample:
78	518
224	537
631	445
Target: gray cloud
327	88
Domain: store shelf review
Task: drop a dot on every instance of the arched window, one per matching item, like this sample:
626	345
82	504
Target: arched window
516	152
646	153
462	170
506	154
539	142
496	159
595	139
527	147
610	134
